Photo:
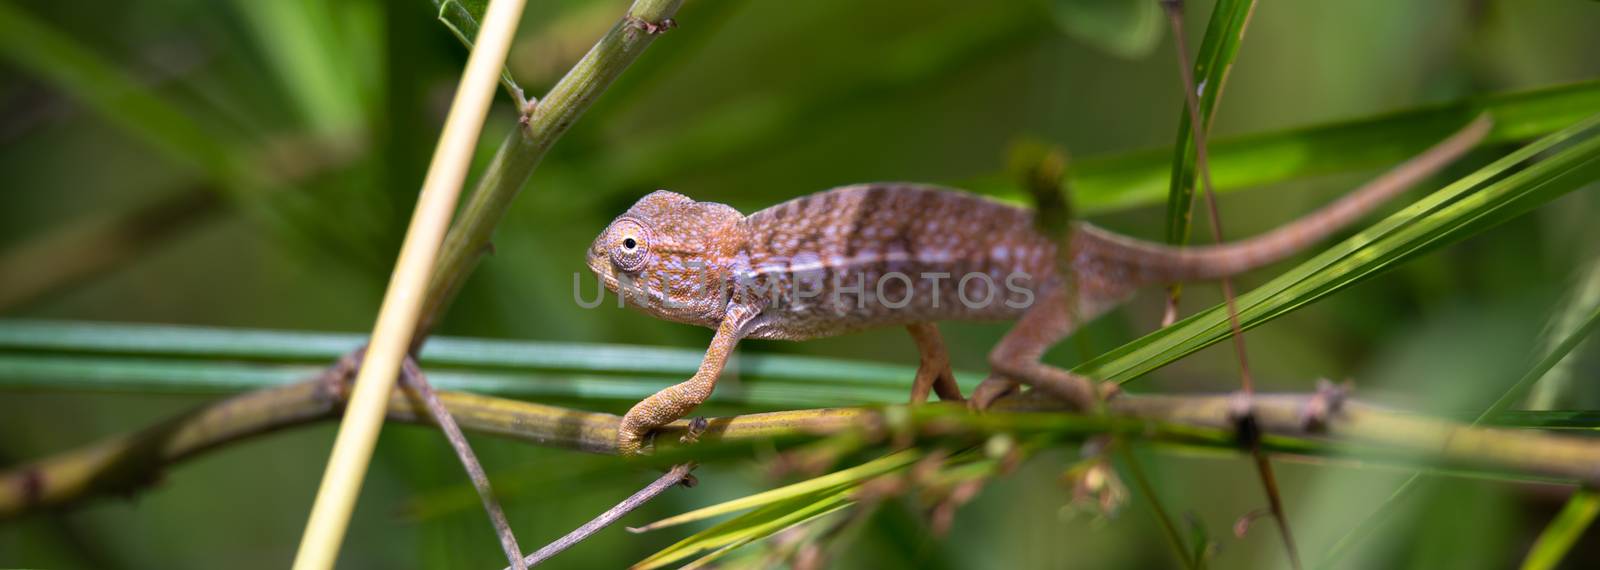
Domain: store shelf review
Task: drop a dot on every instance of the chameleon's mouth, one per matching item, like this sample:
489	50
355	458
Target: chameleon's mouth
601	266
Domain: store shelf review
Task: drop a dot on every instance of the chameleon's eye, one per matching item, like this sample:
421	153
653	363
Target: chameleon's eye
631	245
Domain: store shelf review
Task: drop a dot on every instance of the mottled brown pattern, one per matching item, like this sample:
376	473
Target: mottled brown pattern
791	272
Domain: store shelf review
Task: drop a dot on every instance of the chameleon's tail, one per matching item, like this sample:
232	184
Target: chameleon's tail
1161	263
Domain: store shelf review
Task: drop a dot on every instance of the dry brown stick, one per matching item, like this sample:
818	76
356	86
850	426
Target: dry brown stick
411	377
678	474
1269	480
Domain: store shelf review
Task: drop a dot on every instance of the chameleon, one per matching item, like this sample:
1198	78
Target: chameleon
909	255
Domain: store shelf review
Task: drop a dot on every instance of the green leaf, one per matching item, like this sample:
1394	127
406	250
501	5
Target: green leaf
1211	67
1122	28
461	17
1564	531
1507	187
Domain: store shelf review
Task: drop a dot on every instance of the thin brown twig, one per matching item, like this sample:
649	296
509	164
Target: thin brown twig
411	376
678	474
1269	481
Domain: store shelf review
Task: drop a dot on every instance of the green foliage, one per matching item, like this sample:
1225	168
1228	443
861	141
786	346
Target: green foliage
316	119
461	17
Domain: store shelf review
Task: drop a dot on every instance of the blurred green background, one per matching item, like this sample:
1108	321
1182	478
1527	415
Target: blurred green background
277	196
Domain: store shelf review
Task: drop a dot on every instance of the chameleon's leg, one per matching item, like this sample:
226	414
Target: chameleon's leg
933	374
679	399
1017	356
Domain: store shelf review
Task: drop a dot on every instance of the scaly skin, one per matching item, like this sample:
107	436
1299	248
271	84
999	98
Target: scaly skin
908	255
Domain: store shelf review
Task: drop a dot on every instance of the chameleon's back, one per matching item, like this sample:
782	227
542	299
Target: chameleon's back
875	255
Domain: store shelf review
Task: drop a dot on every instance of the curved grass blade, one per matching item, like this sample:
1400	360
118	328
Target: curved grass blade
1563	532
1212	64
1530	176
729	535
848	477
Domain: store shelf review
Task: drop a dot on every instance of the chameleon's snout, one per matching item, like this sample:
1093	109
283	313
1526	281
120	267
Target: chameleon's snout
599	261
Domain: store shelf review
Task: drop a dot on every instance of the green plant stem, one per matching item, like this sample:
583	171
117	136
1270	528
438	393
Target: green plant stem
1168	528
125	464
524	147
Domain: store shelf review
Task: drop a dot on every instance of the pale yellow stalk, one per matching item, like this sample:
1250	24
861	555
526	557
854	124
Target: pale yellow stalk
402	303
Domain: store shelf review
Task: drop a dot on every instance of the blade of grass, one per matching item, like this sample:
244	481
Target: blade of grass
1563	533
767	521
1168	528
1212	65
817	485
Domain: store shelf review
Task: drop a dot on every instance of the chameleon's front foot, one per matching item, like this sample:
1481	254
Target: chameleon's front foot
658	410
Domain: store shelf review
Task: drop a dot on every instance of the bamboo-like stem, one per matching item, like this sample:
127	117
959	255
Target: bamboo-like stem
523	148
403	302
125	464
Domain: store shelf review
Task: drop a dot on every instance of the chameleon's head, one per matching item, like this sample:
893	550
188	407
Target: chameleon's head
671	256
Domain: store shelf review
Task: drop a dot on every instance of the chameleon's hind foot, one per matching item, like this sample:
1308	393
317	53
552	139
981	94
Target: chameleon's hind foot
992	388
